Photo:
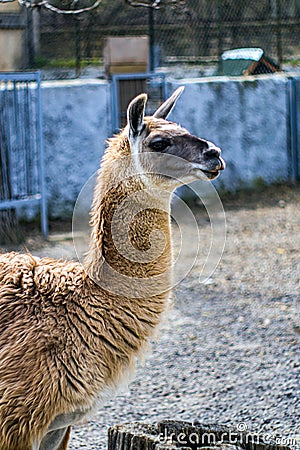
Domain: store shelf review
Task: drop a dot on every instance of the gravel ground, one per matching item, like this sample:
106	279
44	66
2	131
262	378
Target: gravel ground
229	351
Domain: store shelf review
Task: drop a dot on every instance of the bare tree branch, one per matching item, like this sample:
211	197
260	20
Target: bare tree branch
155	4
47	5
145	4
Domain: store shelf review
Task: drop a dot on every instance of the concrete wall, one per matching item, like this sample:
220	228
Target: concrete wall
76	117
247	119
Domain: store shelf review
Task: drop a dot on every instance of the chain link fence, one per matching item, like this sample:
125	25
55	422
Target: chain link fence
190	32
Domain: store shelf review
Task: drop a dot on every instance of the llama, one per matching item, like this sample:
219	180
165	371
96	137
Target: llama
70	333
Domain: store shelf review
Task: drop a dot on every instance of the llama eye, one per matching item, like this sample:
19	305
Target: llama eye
159	145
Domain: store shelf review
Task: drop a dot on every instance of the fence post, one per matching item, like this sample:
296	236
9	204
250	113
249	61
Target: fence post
220	30
151	38
77	46
36	31
29	38
40	140
293	129
278	32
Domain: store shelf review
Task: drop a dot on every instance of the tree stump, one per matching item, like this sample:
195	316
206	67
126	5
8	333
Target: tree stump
172	435
10	231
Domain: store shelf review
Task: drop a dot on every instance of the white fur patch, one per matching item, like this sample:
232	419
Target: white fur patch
135	144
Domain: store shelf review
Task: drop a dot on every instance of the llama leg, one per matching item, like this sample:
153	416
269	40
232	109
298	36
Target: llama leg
56	439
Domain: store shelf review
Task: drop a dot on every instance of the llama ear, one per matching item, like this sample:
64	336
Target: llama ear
165	109
135	114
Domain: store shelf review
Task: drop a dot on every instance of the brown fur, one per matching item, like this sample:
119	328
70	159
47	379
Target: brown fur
65	340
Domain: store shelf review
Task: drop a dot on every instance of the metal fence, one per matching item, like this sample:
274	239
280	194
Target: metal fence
182	31
22	180
191	31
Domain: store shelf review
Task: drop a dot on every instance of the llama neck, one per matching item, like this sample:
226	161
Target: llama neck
130	247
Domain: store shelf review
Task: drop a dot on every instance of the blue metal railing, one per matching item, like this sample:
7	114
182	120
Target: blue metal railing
294	116
22	173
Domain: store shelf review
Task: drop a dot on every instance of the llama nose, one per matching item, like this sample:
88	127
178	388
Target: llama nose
212	152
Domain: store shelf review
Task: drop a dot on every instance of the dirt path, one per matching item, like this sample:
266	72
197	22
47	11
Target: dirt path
230	350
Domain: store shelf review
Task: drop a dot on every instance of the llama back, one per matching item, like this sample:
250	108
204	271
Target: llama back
62	338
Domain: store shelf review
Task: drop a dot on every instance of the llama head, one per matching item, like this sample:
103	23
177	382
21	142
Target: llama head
164	151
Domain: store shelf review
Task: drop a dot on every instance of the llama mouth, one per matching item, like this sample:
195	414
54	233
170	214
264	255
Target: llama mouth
211	174
201	173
